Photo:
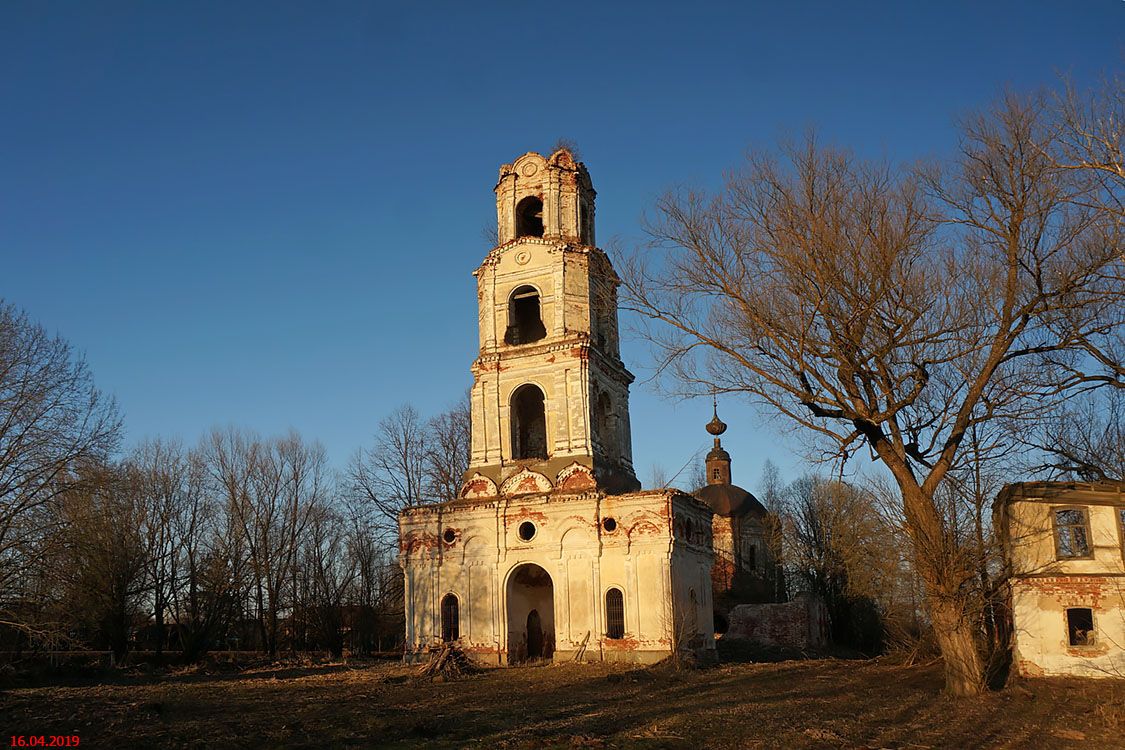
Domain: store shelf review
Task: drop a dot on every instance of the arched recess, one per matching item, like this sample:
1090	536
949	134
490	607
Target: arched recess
603	421
528	416
531	614
614	614
529	217
525	316
450	618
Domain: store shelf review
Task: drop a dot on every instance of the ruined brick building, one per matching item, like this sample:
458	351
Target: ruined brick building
551	549
1064	551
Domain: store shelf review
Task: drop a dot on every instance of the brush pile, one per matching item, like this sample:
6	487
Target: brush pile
447	661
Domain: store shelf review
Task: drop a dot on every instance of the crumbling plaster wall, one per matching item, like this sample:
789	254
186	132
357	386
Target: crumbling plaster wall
642	556
1043	587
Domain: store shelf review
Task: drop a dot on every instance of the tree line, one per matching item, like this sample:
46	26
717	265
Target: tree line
241	542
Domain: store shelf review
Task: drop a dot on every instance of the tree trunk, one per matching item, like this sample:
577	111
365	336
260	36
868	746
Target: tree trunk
964	675
936	559
159	624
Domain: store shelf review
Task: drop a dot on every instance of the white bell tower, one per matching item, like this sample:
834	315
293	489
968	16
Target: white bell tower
550	396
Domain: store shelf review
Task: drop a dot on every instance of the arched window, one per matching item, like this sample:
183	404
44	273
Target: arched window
525	322
529	423
450	627
603	419
614	614
529	217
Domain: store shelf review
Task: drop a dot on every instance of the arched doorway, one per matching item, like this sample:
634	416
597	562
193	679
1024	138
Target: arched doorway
531	614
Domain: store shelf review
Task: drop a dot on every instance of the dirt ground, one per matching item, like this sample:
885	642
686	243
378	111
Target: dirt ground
826	703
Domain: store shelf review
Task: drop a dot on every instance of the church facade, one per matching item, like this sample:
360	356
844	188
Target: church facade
552	550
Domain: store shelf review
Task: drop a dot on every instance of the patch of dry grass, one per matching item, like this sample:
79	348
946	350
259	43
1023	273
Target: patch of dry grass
799	704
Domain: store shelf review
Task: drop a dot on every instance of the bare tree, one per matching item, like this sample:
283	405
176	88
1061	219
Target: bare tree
889	310
328	571
211	576
391	474
837	546
446	441
52	422
271	488
104	572
772	486
160	471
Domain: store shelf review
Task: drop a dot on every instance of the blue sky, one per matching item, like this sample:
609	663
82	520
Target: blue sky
266	214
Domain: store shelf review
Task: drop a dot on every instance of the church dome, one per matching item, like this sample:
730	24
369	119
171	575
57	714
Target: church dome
725	499
730	500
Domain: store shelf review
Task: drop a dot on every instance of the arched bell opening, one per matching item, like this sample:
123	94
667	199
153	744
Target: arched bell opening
529	217
531	614
525	316
529	423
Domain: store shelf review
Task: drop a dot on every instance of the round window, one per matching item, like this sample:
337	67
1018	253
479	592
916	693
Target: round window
449	536
609	524
527	531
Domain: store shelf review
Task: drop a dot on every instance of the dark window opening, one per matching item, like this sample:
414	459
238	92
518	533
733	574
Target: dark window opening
614	614
525	321
721	623
527	531
715	474
529	217
609	524
1072	533
529	423
449	618
449	536
751	557
1080	626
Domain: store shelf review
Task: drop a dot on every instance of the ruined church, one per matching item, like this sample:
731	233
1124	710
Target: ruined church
551	549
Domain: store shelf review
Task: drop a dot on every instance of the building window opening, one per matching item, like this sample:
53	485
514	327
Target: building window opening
529	423
614	614
525	320
609	524
450	536
527	531
449	619
529	217
1080	626
721	623
1072	533
751	557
